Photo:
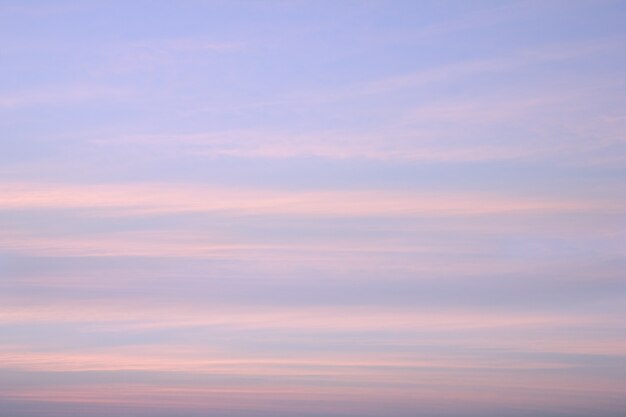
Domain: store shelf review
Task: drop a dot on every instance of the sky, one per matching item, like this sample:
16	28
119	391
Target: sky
296	208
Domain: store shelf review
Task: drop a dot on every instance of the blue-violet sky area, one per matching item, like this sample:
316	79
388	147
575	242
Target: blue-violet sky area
310	208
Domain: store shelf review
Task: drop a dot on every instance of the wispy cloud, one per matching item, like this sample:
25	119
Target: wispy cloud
514	60
420	145
460	130
60	96
152	54
154	198
111	316
164	358
186	45
476	397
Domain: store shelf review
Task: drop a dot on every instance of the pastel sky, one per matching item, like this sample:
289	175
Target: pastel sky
312	208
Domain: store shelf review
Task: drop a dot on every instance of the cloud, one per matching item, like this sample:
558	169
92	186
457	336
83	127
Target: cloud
186	45
517	124
161	198
59	96
506	62
197	360
107	316
421	145
150	54
374	399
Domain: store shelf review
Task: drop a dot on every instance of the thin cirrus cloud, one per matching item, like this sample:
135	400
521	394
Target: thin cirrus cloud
144	56
138	199
458	71
438	130
187	45
356	401
392	146
210	245
326	319
200	360
60	95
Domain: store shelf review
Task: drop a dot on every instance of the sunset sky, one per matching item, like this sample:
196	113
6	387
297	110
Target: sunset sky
292	208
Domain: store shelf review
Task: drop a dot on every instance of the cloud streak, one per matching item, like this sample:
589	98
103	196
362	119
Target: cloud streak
151	198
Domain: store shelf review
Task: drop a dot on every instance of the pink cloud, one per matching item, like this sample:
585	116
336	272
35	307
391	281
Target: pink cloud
151	198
